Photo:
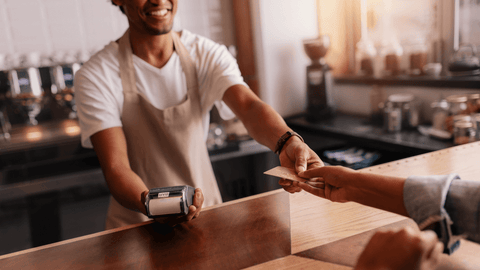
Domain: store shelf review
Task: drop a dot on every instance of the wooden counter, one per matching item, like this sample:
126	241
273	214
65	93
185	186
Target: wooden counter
274	230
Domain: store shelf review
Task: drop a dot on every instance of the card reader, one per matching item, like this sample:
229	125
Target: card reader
169	201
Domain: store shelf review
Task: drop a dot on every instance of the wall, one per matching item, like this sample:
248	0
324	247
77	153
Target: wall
355	99
279	28
48	26
51	26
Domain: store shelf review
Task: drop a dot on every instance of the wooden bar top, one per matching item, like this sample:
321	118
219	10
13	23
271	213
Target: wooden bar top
274	230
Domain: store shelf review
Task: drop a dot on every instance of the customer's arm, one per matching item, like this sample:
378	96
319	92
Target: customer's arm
343	184
425	199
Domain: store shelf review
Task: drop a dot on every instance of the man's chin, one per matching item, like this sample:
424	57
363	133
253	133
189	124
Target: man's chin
159	32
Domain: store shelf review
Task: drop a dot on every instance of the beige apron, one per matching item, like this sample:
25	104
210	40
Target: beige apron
165	147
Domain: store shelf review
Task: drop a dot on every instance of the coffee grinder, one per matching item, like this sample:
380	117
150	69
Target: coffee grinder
319	79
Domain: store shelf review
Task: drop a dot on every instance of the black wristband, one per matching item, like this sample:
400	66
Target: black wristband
283	139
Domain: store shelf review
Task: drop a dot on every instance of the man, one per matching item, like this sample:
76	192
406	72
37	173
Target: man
143	104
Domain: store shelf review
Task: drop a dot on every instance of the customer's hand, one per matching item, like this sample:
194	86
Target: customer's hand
403	249
297	155
193	211
339	182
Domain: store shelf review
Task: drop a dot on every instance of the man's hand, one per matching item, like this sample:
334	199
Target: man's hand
403	249
297	155
193	211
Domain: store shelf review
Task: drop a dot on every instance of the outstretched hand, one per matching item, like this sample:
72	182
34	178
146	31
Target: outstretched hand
193	211
297	155
338	181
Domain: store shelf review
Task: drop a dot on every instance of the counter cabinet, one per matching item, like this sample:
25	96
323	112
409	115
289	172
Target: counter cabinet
265	231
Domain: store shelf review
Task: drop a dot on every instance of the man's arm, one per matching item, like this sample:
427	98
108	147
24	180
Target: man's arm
266	126
257	116
125	185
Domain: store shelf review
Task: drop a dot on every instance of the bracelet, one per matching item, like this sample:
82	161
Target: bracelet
283	139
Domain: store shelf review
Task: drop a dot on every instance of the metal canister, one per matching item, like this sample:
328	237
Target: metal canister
409	110
463	132
476	125
392	120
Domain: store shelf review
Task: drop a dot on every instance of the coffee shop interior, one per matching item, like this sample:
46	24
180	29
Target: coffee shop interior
364	82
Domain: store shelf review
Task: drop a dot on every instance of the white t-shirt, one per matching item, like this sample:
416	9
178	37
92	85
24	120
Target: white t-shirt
99	92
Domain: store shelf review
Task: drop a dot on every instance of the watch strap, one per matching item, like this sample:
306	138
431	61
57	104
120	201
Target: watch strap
283	139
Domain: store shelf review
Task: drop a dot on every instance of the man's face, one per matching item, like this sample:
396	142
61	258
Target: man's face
154	17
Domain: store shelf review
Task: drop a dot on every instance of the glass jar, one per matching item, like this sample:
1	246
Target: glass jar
417	53
365	58
473	103
463	132
392	55
457	105
440	113
476	125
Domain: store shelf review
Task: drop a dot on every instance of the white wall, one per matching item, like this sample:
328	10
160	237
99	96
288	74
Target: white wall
355	99
50	26
279	27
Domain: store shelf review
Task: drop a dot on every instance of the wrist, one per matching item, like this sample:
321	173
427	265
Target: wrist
285	140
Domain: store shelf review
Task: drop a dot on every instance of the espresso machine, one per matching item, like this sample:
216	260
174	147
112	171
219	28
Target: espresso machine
319	79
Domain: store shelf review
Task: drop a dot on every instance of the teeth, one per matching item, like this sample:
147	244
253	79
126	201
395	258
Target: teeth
161	12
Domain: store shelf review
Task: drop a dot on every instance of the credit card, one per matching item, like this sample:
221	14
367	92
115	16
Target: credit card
290	174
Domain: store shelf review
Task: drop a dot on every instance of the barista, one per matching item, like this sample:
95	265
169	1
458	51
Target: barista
143	104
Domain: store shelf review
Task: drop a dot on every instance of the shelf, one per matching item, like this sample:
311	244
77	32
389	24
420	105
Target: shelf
471	82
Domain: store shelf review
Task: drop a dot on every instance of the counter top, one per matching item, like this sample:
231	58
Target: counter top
360	129
272	230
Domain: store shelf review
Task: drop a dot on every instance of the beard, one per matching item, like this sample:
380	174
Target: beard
159	31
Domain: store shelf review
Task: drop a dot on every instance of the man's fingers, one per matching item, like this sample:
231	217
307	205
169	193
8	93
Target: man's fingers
288	186
285	183
301	157
198	202
198	198
308	188
192	210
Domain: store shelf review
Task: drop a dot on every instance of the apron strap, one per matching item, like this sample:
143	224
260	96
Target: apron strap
186	60
126	64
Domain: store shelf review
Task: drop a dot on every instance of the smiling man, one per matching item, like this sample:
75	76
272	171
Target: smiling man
143	105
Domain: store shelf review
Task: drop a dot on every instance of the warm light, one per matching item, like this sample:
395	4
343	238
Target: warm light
35	135
73	130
